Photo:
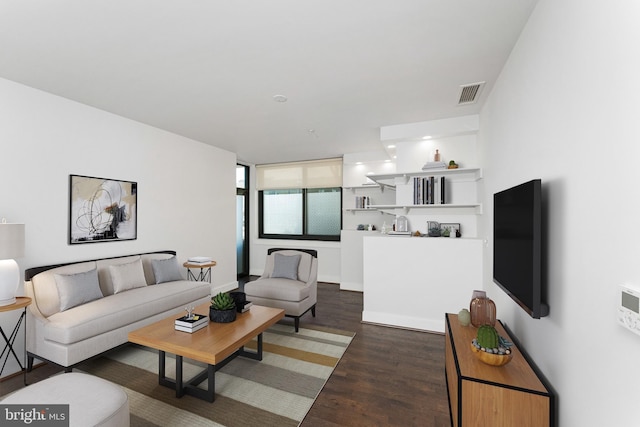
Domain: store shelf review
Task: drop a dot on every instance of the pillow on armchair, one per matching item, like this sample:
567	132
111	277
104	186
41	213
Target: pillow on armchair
285	266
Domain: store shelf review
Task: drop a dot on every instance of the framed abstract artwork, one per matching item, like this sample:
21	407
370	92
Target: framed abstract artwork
102	210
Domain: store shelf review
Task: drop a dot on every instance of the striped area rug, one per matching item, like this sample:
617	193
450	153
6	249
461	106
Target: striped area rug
277	391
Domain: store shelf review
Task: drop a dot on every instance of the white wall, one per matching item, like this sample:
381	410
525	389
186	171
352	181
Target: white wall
565	110
186	189
412	155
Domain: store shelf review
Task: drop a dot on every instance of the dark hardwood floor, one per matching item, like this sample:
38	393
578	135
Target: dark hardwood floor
387	377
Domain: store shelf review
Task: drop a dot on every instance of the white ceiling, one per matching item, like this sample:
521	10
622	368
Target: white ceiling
208	69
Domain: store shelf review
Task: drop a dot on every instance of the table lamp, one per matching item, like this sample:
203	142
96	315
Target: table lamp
11	246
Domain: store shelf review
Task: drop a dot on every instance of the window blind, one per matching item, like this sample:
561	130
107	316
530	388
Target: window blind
325	173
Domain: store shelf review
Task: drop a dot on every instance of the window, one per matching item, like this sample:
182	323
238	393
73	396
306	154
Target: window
305	214
324	211
281	212
301	200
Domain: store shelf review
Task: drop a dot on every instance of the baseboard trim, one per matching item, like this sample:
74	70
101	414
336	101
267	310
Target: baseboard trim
413	323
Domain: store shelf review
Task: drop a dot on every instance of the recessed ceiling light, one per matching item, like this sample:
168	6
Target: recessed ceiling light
426	137
391	146
279	98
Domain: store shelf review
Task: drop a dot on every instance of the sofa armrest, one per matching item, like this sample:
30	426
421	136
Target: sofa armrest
33	307
313	276
35	324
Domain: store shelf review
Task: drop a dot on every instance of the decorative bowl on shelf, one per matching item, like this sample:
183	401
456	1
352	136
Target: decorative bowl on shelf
491	358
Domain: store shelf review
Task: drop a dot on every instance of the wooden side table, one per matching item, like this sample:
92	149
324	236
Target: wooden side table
205	270
21	303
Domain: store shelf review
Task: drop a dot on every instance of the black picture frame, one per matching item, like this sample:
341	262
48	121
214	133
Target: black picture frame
450	226
102	210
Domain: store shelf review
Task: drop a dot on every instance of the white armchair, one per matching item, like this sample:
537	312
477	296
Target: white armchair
289	281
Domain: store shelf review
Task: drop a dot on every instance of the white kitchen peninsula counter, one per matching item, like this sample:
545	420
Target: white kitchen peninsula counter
412	282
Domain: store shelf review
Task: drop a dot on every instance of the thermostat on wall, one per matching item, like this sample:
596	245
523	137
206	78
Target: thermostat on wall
629	308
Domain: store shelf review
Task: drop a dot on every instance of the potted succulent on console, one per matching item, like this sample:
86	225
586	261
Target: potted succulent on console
223	308
490	347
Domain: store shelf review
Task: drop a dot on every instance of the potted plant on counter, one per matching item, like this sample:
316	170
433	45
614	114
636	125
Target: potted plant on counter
223	308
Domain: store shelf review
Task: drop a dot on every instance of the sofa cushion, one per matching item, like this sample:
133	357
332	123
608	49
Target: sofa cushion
285	266
278	288
166	270
45	289
122	309
127	276
78	288
104	274
147	259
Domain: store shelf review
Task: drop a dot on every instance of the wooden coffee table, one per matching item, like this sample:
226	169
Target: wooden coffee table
216	345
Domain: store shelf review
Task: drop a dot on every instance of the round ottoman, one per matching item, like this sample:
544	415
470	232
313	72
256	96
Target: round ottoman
92	401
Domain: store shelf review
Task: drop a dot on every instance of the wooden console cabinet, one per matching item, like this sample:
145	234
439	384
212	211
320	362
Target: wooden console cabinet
484	395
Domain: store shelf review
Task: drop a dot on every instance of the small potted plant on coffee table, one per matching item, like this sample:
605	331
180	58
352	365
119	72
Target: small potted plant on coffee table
223	308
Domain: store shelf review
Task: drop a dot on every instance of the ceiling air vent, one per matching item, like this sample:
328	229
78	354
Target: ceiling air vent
469	93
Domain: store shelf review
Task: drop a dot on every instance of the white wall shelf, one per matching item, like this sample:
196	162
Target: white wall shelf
401	180
353	188
376	186
354	210
472	208
474	174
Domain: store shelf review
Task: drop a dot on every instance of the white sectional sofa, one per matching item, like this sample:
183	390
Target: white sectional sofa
82	309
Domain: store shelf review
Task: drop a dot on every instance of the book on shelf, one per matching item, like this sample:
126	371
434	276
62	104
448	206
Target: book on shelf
434	165
363	202
428	190
195	320
200	260
190	330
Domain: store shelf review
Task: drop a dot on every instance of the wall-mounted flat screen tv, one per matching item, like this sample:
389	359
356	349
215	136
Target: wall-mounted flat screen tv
517	246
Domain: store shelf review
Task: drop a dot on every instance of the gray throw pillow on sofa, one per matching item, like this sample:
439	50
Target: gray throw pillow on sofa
166	270
77	289
285	266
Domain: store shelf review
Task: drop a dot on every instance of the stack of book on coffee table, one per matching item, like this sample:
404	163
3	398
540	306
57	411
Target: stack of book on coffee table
191	324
